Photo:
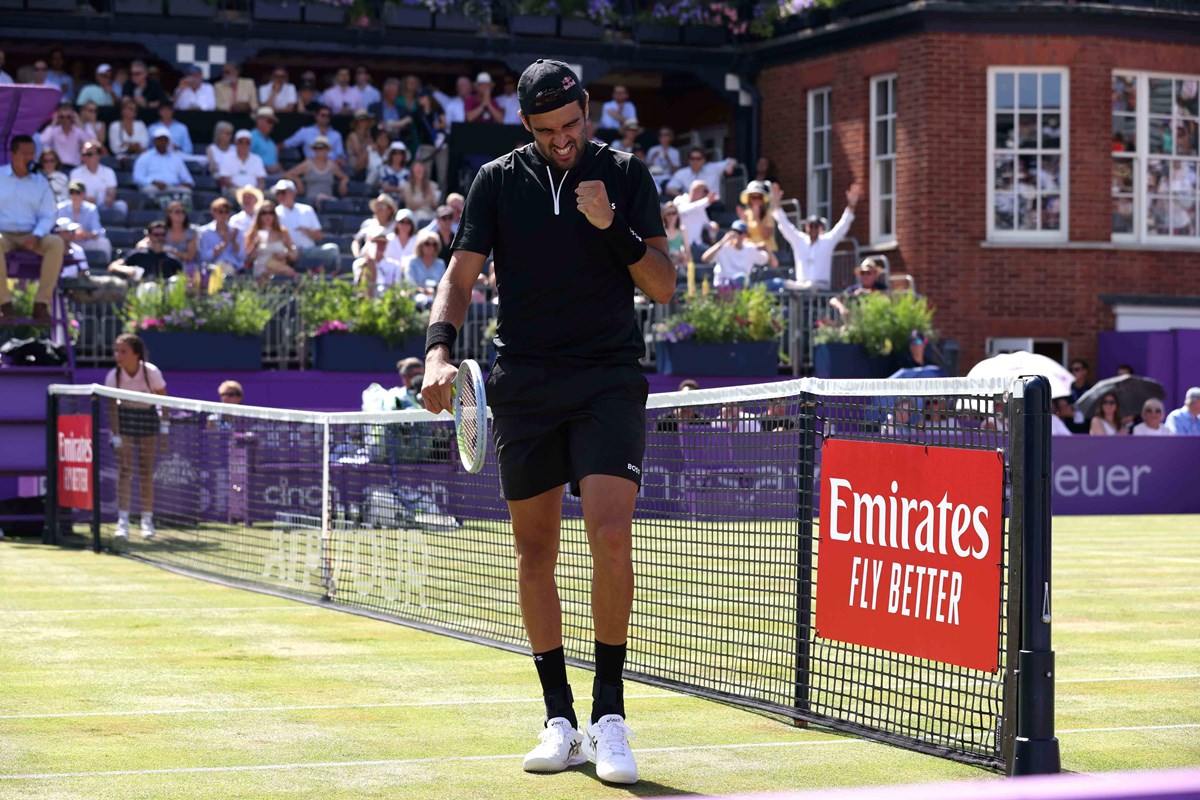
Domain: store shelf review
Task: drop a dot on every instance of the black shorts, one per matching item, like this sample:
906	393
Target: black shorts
137	423
554	425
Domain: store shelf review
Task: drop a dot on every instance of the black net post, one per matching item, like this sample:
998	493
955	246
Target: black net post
95	472
807	418
50	531
1035	751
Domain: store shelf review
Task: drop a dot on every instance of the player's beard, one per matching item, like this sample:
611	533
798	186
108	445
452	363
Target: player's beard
577	144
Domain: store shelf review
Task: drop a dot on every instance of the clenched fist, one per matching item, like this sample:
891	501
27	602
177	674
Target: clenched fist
592	200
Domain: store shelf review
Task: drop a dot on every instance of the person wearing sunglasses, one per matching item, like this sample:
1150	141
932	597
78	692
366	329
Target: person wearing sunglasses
235	93
1185	420
65	137
194	93
278	93
99	181
89	232
142	89
1153	420
150	260
699	168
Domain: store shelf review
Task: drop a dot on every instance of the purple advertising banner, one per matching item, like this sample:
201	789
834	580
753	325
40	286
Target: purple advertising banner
1126	475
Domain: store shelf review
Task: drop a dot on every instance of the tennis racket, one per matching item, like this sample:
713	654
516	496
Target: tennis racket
470	415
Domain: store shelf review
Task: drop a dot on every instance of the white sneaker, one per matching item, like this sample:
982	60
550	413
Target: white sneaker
561	747
122	528
606	742
147	528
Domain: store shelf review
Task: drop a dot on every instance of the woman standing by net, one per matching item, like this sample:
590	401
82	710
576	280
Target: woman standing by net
136	430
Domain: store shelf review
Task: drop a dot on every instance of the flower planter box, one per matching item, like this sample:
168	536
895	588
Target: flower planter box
152	7
324	14
456	22
203	351
277	10
840	360
577	28
704	35
656	33
403	17
531	25
193	9
348	352
748	359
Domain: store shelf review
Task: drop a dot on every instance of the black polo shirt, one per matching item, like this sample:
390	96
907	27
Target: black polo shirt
564	296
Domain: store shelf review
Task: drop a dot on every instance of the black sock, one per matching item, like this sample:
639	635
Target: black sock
608	690
552	672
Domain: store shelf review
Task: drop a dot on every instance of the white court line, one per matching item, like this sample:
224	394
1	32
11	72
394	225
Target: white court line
1123	680
172	610
239	710
1182	726
1141	556
402	761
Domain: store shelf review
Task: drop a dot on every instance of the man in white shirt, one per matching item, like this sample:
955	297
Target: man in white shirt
693	215
509	101
455	107
663	159
99	182
362	82
302	222
614	113
699	168
735	258
278	93
240	167
194	94
813	247
342	98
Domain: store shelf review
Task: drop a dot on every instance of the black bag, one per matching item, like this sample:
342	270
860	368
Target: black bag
32	353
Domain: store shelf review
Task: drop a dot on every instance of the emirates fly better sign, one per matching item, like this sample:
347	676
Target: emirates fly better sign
910	554
75	461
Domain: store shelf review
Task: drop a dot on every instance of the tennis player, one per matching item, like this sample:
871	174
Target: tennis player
574	227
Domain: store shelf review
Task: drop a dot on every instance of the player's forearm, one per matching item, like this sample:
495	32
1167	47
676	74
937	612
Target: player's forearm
654	273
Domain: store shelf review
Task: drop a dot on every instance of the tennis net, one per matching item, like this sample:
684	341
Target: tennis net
841	553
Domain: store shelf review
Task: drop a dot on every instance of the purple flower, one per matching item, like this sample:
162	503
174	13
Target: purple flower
333	326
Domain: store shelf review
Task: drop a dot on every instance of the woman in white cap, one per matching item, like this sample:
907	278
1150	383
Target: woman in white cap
756	213
394	171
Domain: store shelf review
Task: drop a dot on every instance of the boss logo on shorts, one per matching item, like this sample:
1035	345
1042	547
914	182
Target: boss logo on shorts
633	469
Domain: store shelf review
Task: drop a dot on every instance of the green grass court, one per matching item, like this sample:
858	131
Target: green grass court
122	680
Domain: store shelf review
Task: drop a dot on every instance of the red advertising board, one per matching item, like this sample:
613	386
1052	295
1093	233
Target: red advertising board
75	461
910	552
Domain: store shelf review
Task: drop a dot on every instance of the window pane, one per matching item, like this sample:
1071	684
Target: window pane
881	137
886	170
1004	90
1051	131
1158	178
885	223
1003	219
1124	93
1027	138
819	147
1051	212
1185	138
1122	215
1048	177
1122	176
1027	90
827	156
823	187
1161	140
1183	217
1157	216
1051	90
881	98
892	136
1161	99
1185	97
1028	213
1124	134
1004	132
1027	175
1183	178
1004	173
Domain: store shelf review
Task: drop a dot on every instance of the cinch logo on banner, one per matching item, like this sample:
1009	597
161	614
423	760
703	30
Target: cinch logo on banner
910	554
75	461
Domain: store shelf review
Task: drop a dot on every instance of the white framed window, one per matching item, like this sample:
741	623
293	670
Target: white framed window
1155	157
1028	128
883	159
820	160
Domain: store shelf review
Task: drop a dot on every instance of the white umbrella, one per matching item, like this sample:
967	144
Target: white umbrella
1022	362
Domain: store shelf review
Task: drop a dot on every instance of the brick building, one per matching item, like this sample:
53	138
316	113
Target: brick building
1043	156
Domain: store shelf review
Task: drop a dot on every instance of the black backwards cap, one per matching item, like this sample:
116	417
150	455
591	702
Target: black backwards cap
547	85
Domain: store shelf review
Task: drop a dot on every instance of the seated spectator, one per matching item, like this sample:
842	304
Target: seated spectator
235	93
915	355
64	136
1107	419
394	173
35	75
900	421
683	415
376	156
342	97
181	137
222	246
161	169
362	82
249	198
735	258
456	107
315	176
814	247
1152	423
778	418
182	240
937	415
734	420
1064	412
279	93
424	268
90	233
308	99
261	143
419	194
509	101
404	236
443	226
630	130
230	392
149	260
360	142
869	277
481	106
144	91
51	170
270	250
26	220
241	167
194	93
119	79
102	92
220	148
99	182
755	210
304	227
699	169
392	118
375	270
127	137
429	130
383	215
677	248
74	258
456	202
1185	420
663	159
614	113
305	137
58	76
1080	385
93	129
693	217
